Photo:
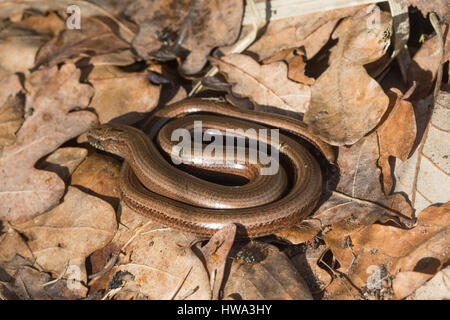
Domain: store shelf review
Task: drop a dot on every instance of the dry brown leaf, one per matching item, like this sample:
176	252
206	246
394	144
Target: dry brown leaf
425	64
296	64
98	175
198	25
10	84
392	250
24	190
67	234
160	260
396	137
426	6
120	96
28	283
271	276
18	48
437	288
11	118
346	103
307	263
94	39
64	161
296	32
424	177
266	85
215	254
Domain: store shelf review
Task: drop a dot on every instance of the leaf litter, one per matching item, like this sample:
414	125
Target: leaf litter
380	230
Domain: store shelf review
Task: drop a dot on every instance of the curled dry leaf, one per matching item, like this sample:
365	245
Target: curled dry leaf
24	190
124	97
296	32
346	103
266	85
67	234
94	39
296	64
424	177
396	137
215	254
271	276
425	64
198	26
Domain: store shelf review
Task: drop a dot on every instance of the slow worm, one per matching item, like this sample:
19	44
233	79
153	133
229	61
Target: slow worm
153	187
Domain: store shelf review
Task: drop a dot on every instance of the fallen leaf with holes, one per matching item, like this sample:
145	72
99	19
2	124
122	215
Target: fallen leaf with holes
424	177
64	161
24	190
262	272
266	85
215	254
93	39
296	32
197	27
124	97
67	234
346	103
396	136
160	260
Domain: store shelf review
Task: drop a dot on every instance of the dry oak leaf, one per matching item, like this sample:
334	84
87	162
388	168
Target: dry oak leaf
198	26
426	7
98	175
271	276
266	85
304	31
93	39
295	60
18	48
346	103
161	261
422	250
64	161
424	177
124	97
396	136
49	122
70	232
